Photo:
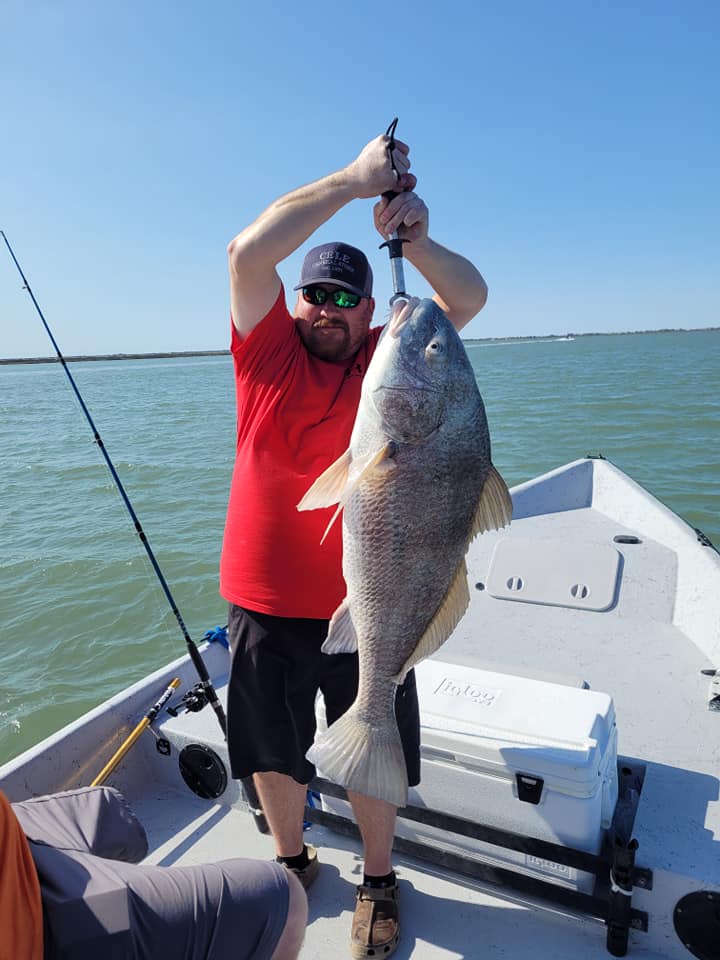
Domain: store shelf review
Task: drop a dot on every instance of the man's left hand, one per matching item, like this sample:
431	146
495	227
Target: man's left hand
406	213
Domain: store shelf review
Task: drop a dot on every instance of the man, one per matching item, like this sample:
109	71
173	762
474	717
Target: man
298	384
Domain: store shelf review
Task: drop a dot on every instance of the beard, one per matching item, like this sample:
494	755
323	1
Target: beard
328	341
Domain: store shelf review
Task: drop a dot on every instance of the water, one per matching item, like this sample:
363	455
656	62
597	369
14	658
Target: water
81	611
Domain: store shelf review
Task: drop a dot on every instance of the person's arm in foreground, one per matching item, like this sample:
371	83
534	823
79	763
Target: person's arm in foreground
460	290
287	223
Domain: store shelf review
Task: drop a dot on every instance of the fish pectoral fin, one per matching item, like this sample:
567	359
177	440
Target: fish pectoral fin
337	483
494	509
341	637
447	616
366	464
329	486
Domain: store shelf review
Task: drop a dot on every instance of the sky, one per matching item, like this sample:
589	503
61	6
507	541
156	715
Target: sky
571	150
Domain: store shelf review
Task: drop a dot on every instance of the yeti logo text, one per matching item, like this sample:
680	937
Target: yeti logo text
468	691
549	866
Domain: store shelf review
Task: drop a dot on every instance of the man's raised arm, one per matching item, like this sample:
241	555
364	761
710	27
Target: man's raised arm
254	253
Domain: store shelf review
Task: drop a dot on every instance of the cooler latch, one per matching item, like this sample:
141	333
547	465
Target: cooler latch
529	788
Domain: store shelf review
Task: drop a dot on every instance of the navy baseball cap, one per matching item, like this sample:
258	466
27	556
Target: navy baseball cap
337	263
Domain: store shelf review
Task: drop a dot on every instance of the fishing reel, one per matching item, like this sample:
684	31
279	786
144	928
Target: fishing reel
192	701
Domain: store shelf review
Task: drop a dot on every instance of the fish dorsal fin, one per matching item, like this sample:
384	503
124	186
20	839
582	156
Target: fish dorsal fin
341	478
494	509
447	616
341	637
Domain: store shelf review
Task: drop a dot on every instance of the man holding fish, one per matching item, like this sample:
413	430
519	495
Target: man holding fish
299	381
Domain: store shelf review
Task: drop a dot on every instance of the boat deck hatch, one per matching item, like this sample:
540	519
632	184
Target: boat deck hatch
555	573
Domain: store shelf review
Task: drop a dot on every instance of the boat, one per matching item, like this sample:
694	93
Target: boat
596	590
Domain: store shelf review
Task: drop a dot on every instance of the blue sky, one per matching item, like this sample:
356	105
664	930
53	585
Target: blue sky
570	149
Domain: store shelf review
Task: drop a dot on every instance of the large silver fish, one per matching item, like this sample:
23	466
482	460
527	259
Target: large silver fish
416	485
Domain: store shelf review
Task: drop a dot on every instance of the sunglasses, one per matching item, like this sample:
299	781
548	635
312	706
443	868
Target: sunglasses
317	296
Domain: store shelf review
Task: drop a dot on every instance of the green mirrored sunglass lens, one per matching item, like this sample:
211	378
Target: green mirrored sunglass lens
345	299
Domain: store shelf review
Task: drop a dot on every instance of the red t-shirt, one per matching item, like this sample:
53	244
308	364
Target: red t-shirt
295	417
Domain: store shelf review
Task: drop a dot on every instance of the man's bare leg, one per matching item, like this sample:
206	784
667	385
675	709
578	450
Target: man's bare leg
283	803
376	923
376	821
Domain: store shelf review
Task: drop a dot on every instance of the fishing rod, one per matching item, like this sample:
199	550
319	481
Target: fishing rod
135	734
198	662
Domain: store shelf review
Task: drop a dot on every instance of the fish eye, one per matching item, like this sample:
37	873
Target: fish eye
434	349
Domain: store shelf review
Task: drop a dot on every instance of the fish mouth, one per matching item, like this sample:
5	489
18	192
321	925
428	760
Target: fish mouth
420	386
408	414
408	377
401	312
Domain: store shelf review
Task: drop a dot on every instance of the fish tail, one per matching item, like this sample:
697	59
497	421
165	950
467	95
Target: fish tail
362	757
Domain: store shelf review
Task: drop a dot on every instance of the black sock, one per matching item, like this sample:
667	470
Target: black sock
296	863
389	880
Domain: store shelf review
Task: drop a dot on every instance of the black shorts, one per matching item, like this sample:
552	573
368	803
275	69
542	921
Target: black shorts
277	670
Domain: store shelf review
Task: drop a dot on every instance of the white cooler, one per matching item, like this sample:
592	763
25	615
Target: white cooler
524	755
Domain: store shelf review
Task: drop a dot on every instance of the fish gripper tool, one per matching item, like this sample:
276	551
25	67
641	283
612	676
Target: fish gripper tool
395	243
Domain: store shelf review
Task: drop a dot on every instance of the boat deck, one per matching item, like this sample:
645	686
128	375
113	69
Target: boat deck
443	917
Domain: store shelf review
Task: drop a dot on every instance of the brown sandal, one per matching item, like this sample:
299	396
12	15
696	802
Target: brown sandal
376	922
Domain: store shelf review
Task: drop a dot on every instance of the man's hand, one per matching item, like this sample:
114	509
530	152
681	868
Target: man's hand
371	173
407	214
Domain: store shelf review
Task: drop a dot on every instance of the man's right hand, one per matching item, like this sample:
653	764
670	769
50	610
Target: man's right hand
372	173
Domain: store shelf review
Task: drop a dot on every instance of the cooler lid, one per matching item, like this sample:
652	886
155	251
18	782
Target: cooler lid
505	724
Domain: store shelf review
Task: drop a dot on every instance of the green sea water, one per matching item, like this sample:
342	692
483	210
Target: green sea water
81	612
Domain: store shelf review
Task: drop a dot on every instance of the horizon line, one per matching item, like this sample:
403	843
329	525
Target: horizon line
170	354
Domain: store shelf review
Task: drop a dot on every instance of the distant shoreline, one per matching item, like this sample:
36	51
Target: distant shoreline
121	356
226	353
